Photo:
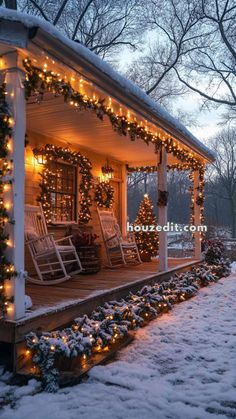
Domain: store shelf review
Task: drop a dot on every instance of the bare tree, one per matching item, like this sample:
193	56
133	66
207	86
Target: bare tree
179	196
223	174
171	31
101	25
144	71
176	27
135	179
10	4
211	70
193	42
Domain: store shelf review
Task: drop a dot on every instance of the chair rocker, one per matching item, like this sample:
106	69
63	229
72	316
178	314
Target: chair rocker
120	250
54	260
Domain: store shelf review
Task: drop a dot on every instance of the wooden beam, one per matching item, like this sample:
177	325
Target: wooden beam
14	196
197	218
162	210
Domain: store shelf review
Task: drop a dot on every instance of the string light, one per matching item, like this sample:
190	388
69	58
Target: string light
51	152
147	241
7	270
120	123
104	195
154	168
96	334
197	197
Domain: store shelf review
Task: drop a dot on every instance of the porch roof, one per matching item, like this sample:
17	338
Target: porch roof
31	34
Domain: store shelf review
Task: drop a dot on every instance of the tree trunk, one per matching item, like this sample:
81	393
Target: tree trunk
145	183
233	217
11	4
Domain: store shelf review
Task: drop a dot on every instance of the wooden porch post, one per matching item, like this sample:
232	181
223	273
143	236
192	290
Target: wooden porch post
197	217
124	201
14	196
162	211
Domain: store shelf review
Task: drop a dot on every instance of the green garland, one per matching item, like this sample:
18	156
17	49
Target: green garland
143	169
104	195
6	268
153	169
109	324
51	152
200	196
39	81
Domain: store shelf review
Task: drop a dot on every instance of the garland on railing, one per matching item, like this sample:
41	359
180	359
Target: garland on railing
153	169
38	81
7	270
143	169
51	152
104	195
110	323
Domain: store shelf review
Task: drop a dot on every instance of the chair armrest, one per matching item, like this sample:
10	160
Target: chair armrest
111	238
50	235
64	238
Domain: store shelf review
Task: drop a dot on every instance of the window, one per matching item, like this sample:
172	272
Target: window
62	191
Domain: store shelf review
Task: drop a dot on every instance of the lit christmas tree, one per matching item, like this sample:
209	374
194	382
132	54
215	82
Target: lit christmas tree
147	241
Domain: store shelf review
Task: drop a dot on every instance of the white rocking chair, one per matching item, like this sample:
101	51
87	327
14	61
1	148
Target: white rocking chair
51	259
120	250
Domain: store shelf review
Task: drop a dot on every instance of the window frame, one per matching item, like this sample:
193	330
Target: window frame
53	166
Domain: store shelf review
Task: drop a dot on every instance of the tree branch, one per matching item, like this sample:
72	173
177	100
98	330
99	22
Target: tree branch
39	9
59	13
201	93
80	19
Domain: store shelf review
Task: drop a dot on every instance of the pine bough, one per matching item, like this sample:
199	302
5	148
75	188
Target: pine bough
111	322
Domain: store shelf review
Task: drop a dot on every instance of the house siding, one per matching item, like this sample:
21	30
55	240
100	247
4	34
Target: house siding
32	189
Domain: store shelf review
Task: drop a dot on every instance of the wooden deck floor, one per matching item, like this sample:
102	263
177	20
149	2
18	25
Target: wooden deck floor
85	286
56	306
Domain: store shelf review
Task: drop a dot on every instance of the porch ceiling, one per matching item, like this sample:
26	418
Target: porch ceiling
58	120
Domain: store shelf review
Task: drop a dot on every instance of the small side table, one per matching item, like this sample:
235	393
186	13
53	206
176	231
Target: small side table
90	258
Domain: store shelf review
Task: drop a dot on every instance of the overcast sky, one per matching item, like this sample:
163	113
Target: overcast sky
206	121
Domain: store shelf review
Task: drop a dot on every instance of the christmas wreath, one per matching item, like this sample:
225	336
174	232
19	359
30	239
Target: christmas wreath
104	195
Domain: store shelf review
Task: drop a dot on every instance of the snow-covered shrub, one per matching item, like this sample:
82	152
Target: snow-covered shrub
215	258
111	322
215	251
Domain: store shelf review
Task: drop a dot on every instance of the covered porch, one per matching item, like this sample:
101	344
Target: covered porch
62	96
56	121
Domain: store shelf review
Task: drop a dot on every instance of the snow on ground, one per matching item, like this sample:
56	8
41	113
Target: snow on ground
233	268
180	366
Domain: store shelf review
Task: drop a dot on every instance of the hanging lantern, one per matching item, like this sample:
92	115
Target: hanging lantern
40	156
107	172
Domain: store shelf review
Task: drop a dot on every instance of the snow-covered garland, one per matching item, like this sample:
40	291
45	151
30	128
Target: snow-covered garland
200	198
50	152
107	324
7	270
153	169
39	81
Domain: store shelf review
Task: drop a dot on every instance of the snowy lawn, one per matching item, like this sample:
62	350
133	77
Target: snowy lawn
183	365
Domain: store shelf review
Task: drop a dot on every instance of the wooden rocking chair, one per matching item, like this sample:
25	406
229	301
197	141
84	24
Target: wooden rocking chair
120	250
53	259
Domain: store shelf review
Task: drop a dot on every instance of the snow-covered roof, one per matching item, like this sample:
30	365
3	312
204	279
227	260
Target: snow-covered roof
130	90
